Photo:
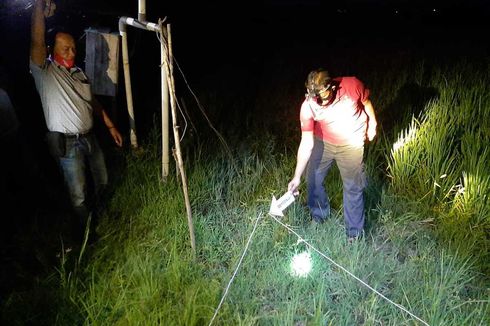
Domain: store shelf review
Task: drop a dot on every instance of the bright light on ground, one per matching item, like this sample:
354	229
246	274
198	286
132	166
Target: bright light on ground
301	264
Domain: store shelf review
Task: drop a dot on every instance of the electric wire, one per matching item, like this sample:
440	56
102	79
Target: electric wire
236	270
199	105
201	108
346	271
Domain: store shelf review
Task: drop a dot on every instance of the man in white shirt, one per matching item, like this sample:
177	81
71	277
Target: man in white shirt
68	106
336	119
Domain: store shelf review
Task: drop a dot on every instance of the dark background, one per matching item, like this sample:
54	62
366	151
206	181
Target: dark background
229	42
213	38
232	54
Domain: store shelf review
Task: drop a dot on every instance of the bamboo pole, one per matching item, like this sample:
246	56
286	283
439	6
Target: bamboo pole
129	93
165	113
123	21
180	164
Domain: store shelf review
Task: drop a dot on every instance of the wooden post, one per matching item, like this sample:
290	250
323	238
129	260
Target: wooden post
169	67
129	93
165	113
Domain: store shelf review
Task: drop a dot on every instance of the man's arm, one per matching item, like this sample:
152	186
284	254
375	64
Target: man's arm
303	156
99	110
372	123
38	28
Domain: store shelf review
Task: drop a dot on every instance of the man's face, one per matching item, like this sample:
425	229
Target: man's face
325	94
64	46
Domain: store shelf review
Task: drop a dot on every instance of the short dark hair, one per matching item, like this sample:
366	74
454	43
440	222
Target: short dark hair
317	79
52	32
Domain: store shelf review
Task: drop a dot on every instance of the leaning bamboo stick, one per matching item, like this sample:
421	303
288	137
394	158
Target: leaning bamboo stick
170	80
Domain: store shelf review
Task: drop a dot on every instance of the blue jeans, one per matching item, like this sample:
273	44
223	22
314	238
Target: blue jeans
349	160
81	153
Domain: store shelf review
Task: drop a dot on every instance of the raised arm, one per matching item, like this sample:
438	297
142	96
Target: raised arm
38	29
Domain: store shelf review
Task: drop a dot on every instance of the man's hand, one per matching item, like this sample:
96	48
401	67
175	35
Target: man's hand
49	8
116	135
293	186
371	132
100	112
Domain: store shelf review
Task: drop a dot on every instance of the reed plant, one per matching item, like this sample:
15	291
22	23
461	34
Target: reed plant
441	160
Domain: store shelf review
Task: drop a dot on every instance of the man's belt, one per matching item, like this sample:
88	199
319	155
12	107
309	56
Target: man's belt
77	136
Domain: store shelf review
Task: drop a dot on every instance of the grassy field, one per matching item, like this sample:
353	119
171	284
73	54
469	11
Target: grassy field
426	245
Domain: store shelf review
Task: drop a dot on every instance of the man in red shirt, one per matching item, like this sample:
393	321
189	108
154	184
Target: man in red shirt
336	119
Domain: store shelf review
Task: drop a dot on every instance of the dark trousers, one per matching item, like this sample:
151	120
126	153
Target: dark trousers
349	160
78	158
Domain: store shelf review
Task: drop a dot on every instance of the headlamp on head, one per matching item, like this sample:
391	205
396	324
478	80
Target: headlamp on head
319	86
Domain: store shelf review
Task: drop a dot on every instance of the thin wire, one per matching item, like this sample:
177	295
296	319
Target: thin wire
349	273
236	269
199	105
201	108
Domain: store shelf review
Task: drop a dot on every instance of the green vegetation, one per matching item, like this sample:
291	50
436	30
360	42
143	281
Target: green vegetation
426	245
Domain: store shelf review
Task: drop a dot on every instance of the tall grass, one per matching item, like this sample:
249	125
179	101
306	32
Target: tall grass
441	160
425	247
142	271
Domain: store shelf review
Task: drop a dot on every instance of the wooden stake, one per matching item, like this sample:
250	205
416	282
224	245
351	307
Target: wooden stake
168	65
165	114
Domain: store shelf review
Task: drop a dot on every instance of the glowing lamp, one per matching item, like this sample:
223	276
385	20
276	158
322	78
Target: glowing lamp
301	264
